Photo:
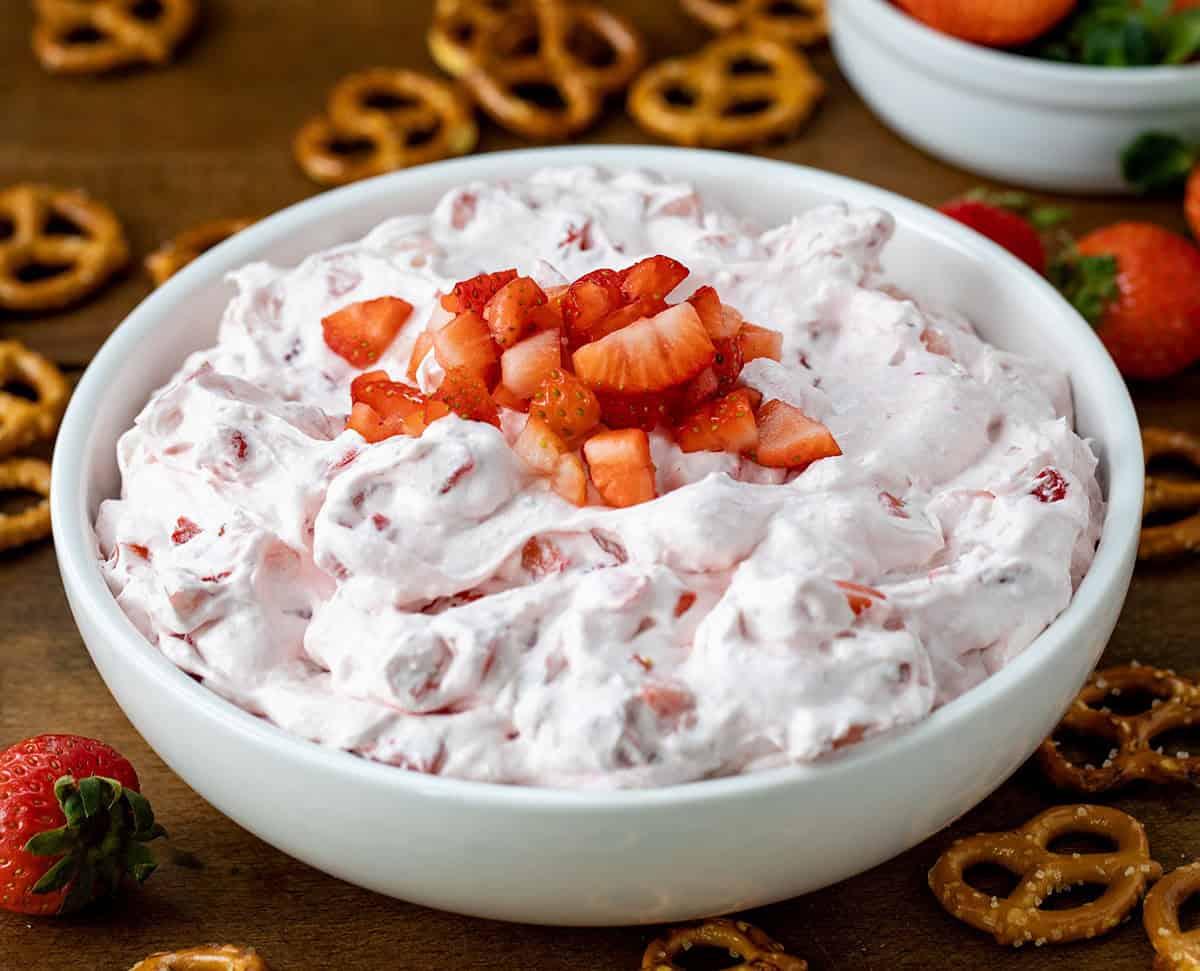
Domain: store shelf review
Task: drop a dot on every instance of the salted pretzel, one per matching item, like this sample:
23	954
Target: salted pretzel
757	951
737	90
796	22
23	421
93	36
1165	495
31	217
215	957
1177	950
383	119
1175	704
540	68
28	525
173	255
1017	919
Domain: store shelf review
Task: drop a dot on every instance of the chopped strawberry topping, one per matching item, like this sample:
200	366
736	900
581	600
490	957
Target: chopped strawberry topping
725	425
422	346
631	313
650	355
1049	486
566	405
756	342
185	530
473	294
589	300
727	363
466	342
718	320
506	399
361	332
789	439
525	365
465	394
508	313
655	276
621	467
570	479
859	597
644	411
540	446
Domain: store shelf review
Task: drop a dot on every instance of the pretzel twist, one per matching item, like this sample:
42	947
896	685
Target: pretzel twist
93	36
1165	495
506	49
757	951
173	255
795	22
22	421
1176	704
214	957
710	98
25	475
391	119
87	260
1017	919
1176	950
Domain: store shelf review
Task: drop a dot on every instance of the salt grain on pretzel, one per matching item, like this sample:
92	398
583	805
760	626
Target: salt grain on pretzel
1018	918
757	951
28	525
23	421
738	90
384	119
1177	950
173	255
795	22
1171	496
540	68
93	36
1132	738
43	267
215	957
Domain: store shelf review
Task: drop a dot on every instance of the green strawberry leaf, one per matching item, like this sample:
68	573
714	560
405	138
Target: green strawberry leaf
1088	282
1047	217
53	842
1181	37
59	875
1158	162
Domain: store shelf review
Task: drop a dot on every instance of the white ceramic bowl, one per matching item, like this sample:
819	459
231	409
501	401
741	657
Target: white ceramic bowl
1035	123
561	857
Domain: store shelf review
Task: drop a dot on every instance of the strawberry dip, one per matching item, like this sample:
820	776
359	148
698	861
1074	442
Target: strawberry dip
793	506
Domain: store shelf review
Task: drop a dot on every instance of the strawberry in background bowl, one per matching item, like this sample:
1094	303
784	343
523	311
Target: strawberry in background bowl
958	81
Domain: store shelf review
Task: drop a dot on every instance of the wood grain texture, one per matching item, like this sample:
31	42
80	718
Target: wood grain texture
210	136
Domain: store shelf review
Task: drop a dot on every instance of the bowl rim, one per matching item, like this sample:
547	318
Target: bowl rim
902	27
74	537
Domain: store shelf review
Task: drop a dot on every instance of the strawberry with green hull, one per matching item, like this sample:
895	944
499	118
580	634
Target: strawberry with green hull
73	824
1009	219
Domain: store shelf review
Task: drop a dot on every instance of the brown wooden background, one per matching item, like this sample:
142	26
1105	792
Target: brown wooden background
210	136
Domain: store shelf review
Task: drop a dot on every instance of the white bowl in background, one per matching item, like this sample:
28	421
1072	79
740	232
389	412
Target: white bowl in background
597	858
1040	124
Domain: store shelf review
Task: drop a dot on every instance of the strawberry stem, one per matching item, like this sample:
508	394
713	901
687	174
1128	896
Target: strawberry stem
1088	282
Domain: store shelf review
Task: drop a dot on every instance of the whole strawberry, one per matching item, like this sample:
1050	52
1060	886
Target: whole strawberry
1002	219
1139	286
72	824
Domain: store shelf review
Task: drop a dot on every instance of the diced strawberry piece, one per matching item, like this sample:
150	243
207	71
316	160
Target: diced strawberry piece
720	321
423	345
567	405
506	399
703	387
650	355
644	411
621	467
589	300
935	342
539	446
640	309
756	342
473	294
465	394
670	702
570	479
859	597
466	342
1049	486
366	421
789	439
185	531
541	557
361	332
725	425
508	312
655	276
525	365
727	364
383	408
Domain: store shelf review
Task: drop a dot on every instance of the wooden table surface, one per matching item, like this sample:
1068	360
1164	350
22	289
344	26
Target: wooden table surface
210	136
